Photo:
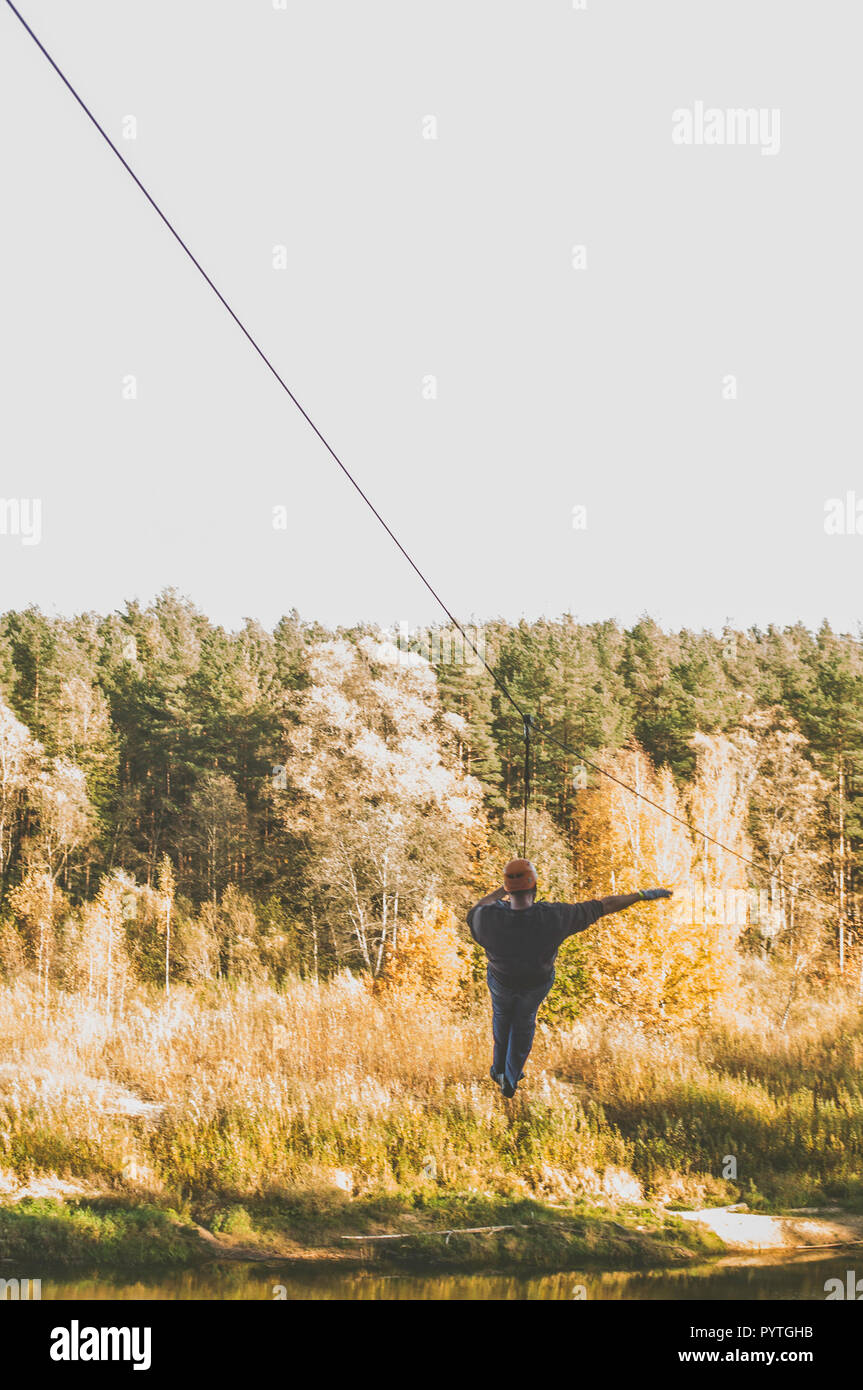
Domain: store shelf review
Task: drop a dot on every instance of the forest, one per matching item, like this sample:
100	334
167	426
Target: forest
295	801
235	866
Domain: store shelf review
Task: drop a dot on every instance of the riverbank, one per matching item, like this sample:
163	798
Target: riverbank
446	1234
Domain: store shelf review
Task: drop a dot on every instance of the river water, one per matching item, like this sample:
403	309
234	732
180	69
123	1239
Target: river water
778	1277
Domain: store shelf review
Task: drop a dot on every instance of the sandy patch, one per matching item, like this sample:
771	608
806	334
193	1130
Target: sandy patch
744	1230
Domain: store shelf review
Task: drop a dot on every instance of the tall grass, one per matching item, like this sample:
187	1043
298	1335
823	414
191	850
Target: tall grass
245	1090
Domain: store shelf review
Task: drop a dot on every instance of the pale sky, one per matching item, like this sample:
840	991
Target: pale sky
408	258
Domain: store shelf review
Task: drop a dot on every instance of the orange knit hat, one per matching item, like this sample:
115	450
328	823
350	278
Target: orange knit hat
519	876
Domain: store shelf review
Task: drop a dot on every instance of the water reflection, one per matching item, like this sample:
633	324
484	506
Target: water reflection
775	1278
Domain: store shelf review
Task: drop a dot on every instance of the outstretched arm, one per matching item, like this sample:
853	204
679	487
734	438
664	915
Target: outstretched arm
617	902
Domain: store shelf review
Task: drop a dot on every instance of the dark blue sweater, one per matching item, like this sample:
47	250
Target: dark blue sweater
522	946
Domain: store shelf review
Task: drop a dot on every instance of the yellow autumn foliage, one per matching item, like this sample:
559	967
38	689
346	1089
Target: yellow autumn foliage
429	958
669	963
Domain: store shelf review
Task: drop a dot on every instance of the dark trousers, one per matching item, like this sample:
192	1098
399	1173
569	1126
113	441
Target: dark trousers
513	1023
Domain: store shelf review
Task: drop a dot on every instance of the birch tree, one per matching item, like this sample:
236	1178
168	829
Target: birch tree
380	793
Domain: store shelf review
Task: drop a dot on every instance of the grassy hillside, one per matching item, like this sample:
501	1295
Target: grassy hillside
288	1120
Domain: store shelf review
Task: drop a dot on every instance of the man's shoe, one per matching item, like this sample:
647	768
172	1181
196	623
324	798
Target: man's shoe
506	1090
496	1076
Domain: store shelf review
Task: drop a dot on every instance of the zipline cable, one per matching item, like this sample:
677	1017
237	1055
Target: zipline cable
693	829
527	727
259	350
527	721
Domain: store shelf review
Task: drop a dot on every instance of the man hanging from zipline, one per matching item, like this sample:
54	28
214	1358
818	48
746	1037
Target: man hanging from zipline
521	939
